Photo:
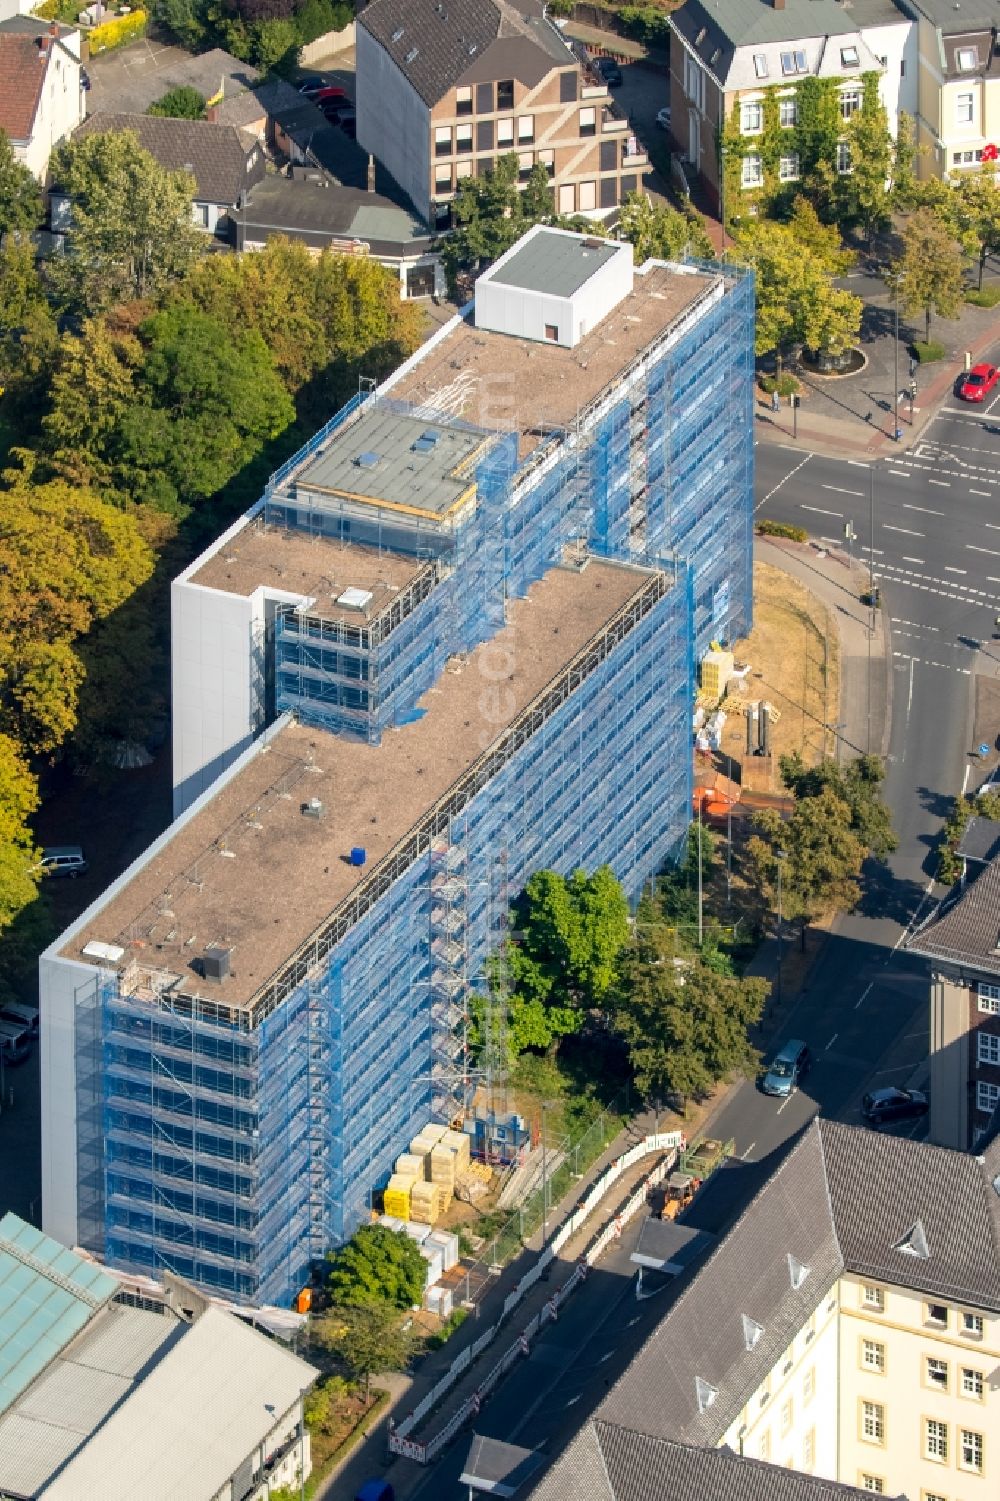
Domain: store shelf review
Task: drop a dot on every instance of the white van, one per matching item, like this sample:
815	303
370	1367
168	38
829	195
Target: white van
64	860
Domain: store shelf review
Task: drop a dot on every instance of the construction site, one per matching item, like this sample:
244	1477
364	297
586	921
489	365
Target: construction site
453	644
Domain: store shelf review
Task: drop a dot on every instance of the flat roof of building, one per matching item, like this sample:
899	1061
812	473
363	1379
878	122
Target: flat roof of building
249	872
554	262
318	568
406	464
530	387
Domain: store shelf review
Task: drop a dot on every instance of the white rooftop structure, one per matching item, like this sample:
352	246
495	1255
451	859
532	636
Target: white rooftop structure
553	286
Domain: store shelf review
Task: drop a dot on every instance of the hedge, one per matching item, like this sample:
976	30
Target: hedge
983	297
116	33
782	529
927	352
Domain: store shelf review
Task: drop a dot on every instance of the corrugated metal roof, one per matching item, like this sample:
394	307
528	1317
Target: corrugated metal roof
47	1295
30	1452
207	1403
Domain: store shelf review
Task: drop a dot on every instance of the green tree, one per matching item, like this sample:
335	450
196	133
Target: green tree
868	187
377	1266
684	1024
928	273
186	19
904	158
27	325
367	1339
92	388
181	103
492	211
131	232
857	783
19	857
206	403
822	241
274	44
976	215
20	194
797	301
570	933
661	232
818	853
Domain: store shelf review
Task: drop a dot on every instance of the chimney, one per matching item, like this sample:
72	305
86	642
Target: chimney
212	114
371	174
778	4
43	47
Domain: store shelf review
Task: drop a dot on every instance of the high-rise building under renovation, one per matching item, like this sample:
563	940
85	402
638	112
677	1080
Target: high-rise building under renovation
452	644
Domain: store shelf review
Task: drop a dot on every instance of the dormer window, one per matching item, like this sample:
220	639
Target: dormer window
760	64
751	1332
793	62
702	34
849	57
797	1271
967	59
705	1392
914	1242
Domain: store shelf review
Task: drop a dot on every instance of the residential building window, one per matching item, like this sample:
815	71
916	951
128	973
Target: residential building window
463	138
850	102
936	1373
972	1382
442	179
793	62
567	88
843	158
967	59
567	198
936	1314
764	1445
964	108
199	213
505	134
809	1449
586	196
463	101
849	57
442	140
966	158
786	1416
694	81
788	112
548	160
753	172
872	1483
970	1451
505	94
525	162
972	1325
988	1047
552	332
936	1440
463	169
873	1422
525	128
809	1384
588	122
987	1097
760	64
752	118
788	167
873	1355
873	1298
932	1496
989	998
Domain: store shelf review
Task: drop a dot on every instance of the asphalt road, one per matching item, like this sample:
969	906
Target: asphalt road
936	556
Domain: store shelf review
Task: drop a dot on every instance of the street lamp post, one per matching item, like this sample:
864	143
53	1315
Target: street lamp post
896	429
782	857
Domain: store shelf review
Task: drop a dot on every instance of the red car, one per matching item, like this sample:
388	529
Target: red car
978	382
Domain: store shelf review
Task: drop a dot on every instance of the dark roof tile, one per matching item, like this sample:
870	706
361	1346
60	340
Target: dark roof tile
22	73
966	929
218	156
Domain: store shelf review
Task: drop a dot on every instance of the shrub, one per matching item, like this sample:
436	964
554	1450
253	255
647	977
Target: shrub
983	297
782	529
785	384
182	103
116	33
929	351
454	1321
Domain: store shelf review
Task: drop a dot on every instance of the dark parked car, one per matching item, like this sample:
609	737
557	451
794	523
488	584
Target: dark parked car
609	71
893	1105
348	123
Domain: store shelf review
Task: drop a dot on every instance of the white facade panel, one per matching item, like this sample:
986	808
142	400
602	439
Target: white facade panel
548	317
60	980
214	717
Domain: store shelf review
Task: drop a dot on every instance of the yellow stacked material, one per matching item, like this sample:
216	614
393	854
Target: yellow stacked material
716	670
442	1170
425	1202
410	1166
422	1146
397	1197
434	1131
460	1144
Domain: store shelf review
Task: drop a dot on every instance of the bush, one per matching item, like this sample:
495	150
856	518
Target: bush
784	384
182	103
117	32
782	529
455	1321
983	297
927	352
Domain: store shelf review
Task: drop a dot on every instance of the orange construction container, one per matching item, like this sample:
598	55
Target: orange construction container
717	808
304	1301
701	795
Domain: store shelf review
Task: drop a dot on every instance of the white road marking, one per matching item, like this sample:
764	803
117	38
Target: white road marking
965	779
786	1101
820	512
912	560
905	473
841	491
971	547
904	529
926	509
944	483
749	1149
857	464
830	1044
781	482
980	492
870	984
898	620
991	526
948	569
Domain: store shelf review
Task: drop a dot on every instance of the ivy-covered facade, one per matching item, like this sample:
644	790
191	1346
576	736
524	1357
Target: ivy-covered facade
793	133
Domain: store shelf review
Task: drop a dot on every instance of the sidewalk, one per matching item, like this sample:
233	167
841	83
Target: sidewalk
853	414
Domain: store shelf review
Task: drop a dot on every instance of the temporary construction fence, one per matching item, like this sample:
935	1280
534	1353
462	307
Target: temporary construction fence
672	1143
